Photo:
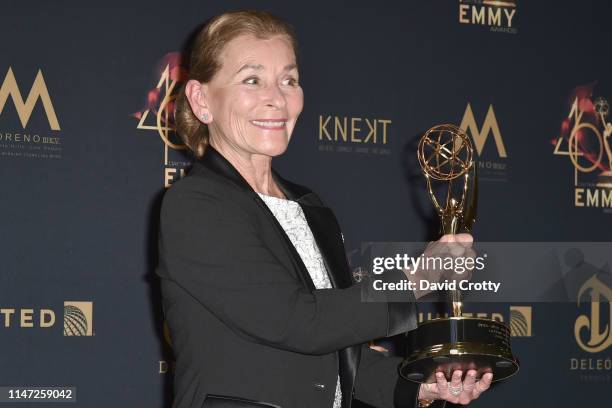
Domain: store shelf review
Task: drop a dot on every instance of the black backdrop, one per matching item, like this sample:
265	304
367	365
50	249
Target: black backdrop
84	164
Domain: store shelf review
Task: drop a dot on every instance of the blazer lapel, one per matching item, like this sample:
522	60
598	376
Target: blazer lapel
214	161
325	230
328	237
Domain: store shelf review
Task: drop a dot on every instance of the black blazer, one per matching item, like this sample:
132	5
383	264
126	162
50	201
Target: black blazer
245	318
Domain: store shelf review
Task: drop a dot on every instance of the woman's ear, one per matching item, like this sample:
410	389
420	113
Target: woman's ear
196	93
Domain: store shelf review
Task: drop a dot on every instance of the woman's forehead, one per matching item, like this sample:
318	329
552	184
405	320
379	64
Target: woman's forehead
247	51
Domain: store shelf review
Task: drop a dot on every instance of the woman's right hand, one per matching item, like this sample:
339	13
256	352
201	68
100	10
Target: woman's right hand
449	245
456	391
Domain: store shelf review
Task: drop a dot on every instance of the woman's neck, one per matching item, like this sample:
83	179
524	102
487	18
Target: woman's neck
256	169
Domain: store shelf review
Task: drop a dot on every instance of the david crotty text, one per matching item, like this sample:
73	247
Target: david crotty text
464	284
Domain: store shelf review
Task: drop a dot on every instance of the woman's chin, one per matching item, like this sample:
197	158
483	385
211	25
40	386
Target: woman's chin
272	149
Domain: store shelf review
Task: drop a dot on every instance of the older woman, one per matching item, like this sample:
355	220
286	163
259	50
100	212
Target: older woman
256	288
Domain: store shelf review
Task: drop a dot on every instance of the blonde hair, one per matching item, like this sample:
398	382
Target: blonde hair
204	63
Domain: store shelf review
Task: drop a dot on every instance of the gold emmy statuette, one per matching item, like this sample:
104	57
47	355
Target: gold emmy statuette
456	343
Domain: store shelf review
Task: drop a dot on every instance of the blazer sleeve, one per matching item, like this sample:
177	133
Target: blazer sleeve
210	247
378	382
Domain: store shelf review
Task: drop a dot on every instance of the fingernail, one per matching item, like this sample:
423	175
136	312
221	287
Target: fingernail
439	375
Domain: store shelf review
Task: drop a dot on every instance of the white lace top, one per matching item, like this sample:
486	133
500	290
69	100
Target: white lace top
291	217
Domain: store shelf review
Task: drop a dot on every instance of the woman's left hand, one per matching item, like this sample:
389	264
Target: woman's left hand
456	391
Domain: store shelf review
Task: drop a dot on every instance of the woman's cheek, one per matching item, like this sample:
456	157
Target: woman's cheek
246	99
297	102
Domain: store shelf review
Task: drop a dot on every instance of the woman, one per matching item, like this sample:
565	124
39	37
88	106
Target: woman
256	288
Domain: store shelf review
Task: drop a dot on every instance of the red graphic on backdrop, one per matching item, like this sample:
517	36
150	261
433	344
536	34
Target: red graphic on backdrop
169	70
585	132
157	116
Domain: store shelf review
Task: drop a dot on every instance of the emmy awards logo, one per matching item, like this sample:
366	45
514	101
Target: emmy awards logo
585	139
164	112
587	143
158	115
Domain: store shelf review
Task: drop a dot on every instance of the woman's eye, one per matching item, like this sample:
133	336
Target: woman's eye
290	82
251	81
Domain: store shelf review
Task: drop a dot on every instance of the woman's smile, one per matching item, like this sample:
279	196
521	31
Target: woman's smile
270	124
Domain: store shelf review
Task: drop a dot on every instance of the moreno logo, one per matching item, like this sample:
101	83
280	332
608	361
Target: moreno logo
24	108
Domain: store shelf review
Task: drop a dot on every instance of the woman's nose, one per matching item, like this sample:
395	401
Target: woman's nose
274	97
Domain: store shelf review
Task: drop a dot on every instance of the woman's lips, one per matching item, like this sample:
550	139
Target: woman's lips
270	124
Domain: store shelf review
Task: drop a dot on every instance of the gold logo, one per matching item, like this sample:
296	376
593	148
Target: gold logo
520	321
165	112
586	143
600	338
158	115
347	134
355	130
24	108
585	139
490	125
520	318
496	14
78	318
27	318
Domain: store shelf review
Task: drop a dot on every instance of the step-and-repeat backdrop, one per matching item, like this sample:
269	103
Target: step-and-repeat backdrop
87	149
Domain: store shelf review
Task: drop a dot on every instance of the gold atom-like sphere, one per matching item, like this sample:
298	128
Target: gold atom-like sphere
445	152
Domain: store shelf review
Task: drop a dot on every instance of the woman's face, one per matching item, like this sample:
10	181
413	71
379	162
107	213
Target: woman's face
255	98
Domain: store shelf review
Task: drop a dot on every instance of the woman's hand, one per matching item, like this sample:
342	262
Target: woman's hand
449	245
456	391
